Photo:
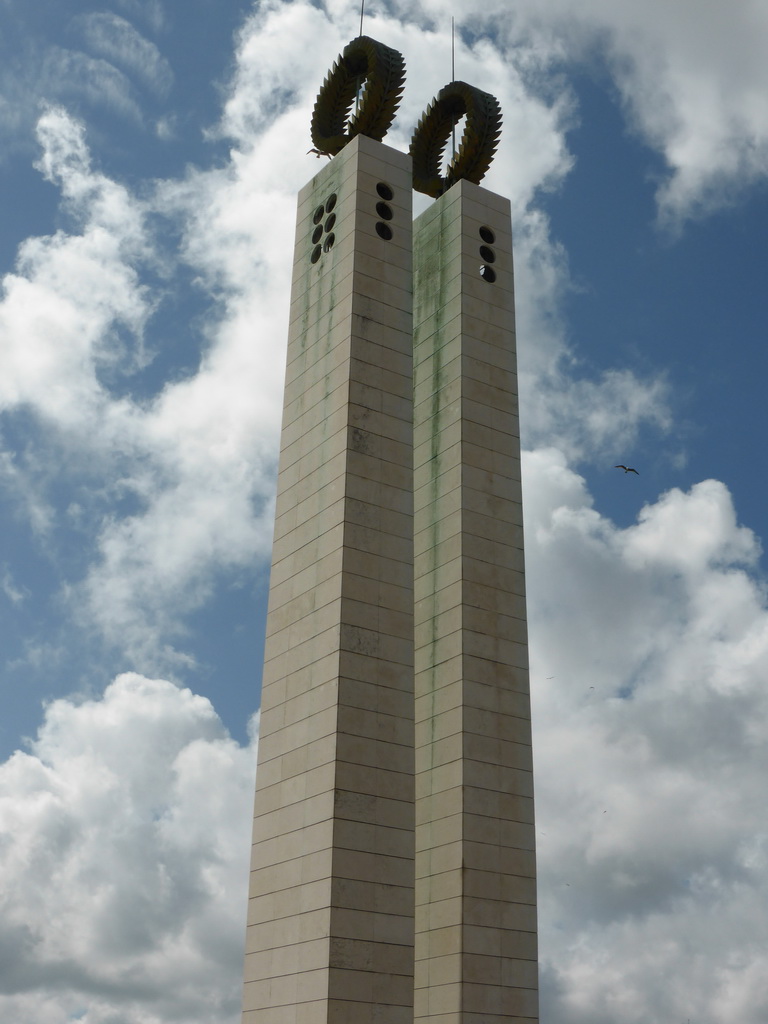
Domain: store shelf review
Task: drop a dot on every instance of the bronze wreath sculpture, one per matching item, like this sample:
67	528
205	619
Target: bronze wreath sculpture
383	70
478	143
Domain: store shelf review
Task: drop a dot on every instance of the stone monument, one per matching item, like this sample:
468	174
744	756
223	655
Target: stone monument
393	865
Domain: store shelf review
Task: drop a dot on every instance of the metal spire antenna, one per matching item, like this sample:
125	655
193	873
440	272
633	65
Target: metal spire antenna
362	78
453	79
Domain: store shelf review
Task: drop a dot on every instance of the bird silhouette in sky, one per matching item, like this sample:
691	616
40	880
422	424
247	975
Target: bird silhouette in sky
627	469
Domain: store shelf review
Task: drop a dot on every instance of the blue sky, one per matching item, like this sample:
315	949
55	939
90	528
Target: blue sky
151	155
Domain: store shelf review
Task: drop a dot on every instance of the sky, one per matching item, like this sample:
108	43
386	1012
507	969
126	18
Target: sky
150	156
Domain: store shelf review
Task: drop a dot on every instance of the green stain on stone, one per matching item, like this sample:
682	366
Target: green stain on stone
431	296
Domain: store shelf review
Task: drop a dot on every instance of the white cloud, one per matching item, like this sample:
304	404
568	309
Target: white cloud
89	62
707	520
119	42
125	834
691	77
22	483
649	643
693	84
15	594
72	74
62	308
199	457
149	11
650	651
649	739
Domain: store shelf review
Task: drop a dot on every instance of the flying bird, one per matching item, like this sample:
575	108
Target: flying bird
627	469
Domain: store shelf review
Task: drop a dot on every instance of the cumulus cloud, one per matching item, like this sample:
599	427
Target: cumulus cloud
197	458
126	823
125	836
74	309
690	79
649	645
649	654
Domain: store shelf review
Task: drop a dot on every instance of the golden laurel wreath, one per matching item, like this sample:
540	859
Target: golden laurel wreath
383	71
478	142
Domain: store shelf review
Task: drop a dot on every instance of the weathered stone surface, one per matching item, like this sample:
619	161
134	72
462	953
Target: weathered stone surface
330	918
475	941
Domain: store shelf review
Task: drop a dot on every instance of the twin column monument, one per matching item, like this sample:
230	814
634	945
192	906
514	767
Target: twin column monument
393	865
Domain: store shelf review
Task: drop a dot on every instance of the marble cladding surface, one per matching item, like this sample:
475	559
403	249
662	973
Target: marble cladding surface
393	867
475	924
330	921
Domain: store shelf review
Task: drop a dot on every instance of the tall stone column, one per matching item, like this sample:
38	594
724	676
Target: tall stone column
476	956
330	920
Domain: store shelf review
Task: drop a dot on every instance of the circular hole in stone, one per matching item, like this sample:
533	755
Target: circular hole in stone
330	202
383	230
315	254
488	274
330	222
318	215
328	243
317	234
487	254
487	235
385	191
384	211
